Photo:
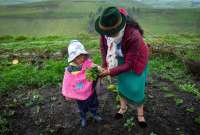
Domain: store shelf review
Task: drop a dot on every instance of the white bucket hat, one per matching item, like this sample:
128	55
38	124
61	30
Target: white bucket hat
75	48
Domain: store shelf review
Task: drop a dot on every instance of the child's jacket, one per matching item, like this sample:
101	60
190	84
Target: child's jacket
76	86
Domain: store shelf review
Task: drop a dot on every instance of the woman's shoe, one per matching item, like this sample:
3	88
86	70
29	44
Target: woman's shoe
121	113
142	124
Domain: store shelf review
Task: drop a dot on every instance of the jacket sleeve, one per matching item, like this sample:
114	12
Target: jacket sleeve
132	46
103	50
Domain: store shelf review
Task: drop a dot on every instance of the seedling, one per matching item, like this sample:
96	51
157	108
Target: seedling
92	73
178	101
118	98
129	123
191	110
112	88
169	95
197	120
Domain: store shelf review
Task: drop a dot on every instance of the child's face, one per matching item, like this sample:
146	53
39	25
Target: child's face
80	59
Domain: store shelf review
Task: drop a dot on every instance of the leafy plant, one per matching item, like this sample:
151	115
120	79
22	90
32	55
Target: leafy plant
165	89
129	123
35	99
178	101
190	88
112	88
92	73
169	95
3	126
118	98
197	120
191	110
20	38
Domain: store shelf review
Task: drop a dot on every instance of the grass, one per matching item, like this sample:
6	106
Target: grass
47	18
69	18
24	75
176	73
190	88
161	64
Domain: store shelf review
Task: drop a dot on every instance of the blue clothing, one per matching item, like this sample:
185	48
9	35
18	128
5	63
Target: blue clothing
90	104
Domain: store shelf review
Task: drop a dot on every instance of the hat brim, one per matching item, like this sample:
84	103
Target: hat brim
112	31
70	59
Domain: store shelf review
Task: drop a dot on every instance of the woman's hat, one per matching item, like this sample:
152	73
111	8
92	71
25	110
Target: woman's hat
110	22
75	49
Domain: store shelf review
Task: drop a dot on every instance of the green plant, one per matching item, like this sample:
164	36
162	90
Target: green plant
96	58
197	120
35	99
6	38
20	38
190	88
178	101
191	110
169	95
92	73
3	126
129	123
112	88
117	98
165	89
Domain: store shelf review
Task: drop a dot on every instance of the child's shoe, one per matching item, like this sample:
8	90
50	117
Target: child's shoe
83	122
97	118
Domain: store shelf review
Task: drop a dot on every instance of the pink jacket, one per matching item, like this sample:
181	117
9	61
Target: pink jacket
76	86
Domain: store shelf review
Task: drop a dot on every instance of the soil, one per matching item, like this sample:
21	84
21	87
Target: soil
53	115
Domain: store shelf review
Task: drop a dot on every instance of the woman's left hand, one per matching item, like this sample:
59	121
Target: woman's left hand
104	72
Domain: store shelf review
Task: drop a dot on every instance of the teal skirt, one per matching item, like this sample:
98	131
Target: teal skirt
131	86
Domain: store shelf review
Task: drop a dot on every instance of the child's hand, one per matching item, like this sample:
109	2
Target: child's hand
68	99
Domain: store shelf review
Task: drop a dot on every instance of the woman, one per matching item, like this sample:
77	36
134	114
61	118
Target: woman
124	55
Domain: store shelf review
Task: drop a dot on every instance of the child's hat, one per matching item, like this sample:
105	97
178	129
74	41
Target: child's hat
75	49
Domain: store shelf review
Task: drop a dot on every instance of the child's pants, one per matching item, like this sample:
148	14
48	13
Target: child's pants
89	104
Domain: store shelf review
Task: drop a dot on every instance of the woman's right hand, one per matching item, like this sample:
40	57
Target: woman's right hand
104	72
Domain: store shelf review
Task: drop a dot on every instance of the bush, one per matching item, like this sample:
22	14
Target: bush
20	38
6	38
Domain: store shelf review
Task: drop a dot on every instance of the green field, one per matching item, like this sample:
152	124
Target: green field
33	55
71	17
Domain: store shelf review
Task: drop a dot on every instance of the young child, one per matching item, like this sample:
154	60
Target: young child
76	86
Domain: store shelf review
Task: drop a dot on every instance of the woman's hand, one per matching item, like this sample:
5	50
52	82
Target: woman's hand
104	72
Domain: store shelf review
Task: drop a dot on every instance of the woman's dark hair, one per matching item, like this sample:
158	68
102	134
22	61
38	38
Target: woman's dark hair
135	24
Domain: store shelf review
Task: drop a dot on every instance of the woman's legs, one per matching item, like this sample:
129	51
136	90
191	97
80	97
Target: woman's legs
141	119
140	113
123	105
122	110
